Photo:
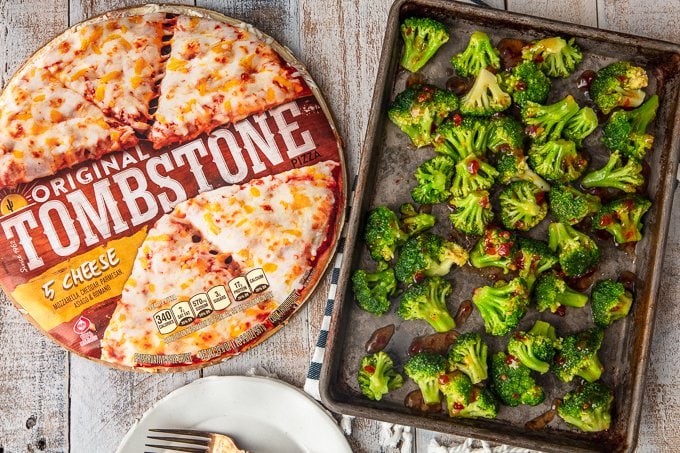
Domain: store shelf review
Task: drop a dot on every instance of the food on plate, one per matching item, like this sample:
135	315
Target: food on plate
622	218
578	356
427	255
552	292
611	301
526	82
274	223
468	354
570	205
619	84
512	381
588	407
555	56
485	97
466	400
616	174
535	348
377	375
426	300
546	122
495	248
577	252
217	73
472	212
45	127
502	306
626	130
523	205
425	369
372	290
422	38
419	108
114	64
479	54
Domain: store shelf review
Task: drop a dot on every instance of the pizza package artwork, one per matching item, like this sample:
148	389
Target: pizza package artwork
172	188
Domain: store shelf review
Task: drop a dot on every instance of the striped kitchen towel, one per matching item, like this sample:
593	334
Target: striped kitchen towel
314	373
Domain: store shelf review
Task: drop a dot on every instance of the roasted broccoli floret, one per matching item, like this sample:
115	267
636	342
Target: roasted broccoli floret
512	166
461	137
570	205
377	375
472	213
425	368
496	248
557	160
523	205
485	97
420	108
555	56
618	84
472	173
427	301
502	306
578	356
434	180
587	407
535	348
383	234
626	130
576	251
610	301
507	135
622	218
580	126
616	175
466	400
479	54
422	38
546	122
533	258
468	354
415	222
427	255
512	381
372	290
526	82
551	292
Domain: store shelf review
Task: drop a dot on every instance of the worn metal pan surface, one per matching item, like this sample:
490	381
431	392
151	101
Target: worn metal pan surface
386	176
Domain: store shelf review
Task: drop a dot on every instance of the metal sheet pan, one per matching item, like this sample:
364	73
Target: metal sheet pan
386	176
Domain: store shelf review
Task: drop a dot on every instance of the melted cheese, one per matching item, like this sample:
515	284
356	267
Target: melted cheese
114	64
217	74
192	260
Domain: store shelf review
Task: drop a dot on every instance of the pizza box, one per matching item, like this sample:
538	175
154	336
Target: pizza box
386	171
174	256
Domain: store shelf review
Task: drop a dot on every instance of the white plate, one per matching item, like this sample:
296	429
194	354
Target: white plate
261	414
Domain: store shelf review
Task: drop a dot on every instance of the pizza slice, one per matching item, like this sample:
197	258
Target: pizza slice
279	225
115	64
217	74
45	127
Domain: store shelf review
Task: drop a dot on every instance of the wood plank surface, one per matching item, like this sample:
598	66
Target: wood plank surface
33	370
582	12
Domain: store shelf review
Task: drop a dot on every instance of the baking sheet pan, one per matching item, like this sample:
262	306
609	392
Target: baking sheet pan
386	177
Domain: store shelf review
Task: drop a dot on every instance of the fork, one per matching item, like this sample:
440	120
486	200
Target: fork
203	441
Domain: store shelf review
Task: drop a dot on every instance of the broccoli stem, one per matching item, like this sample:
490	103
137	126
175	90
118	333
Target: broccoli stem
593	371
441	320
572	298
543	329
430	390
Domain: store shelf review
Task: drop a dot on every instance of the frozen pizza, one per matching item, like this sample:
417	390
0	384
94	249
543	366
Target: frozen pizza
171	188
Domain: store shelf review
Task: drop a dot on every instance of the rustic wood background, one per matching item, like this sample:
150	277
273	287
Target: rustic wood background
53	401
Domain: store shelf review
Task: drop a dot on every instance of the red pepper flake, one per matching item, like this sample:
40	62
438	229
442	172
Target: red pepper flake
484	202
444	379
539	197
458	406
509	359
520	86
473	167
560	360
605	220
538	59
370	369
504	249
561	310
457	119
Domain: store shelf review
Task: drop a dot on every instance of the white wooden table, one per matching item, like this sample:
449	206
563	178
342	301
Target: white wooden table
54	401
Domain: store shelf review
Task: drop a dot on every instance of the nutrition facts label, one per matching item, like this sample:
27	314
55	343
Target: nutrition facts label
217	298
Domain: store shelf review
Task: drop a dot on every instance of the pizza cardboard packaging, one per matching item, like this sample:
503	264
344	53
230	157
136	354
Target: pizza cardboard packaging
172	188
